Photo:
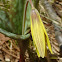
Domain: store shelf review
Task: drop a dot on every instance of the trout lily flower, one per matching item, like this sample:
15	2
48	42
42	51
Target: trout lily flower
39	34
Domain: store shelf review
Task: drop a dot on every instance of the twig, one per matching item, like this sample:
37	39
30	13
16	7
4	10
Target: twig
10	53
2	42
15	46
50	19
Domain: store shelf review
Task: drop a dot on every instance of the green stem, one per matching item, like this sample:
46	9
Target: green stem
15	36
31	3
24	18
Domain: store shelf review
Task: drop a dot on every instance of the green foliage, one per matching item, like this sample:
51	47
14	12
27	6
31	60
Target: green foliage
4	21
17	12
27	22
13	14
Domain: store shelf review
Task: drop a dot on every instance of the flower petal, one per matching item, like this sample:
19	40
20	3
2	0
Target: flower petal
37	33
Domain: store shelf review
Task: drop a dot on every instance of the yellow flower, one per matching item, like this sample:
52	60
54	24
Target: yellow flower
39	33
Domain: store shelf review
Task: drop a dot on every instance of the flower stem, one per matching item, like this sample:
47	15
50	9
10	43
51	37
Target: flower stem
31	3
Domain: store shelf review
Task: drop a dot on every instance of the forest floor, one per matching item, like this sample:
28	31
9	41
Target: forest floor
10	52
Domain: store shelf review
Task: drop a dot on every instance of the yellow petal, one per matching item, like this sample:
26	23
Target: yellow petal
37	33
46	36
45	51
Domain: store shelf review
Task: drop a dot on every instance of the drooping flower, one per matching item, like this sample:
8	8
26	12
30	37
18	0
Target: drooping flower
39	34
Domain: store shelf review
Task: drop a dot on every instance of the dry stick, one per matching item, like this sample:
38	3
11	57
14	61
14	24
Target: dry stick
2	42
50	19
9	49
55	49
5	50
7	45
15	46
